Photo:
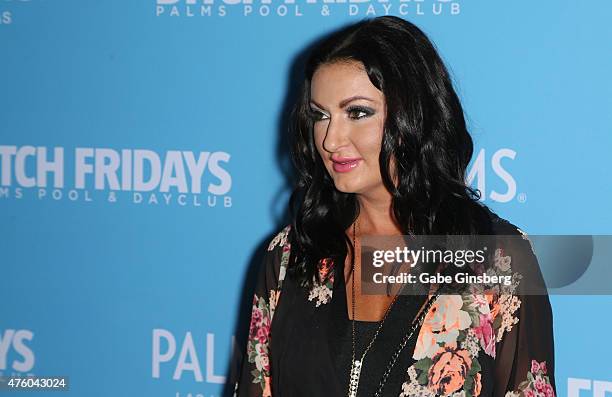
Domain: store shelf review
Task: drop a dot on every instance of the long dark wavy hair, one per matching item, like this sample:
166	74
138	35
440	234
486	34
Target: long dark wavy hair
424	130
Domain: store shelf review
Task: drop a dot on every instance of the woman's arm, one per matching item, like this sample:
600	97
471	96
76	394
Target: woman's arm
524	362
254	377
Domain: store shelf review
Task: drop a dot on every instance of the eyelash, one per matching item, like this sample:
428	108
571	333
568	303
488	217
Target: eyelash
316	114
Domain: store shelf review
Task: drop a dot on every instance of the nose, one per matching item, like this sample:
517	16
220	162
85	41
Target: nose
336	135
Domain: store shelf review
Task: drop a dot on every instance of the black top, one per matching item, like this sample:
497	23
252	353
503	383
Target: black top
397	324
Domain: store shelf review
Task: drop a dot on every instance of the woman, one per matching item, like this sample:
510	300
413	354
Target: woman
381	148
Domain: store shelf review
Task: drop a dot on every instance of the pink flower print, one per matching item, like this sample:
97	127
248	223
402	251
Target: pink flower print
257	316
481	303
548	390
486	334
262	335
535	367
539	383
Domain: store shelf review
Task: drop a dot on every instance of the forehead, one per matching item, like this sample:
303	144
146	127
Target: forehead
331	83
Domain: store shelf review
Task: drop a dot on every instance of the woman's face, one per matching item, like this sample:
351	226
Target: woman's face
349	114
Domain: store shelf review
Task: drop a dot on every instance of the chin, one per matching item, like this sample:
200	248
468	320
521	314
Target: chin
347	183
344	189
347	187
357	186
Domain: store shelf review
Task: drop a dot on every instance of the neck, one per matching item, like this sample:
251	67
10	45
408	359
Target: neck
376	216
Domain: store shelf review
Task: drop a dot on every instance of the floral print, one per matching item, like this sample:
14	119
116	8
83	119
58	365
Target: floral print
261	319
280	238
537	383
441	326
448	371
257	344
455	331
460	334
322	291
485	334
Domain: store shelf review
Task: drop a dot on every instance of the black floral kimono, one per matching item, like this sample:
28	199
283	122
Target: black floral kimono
498	345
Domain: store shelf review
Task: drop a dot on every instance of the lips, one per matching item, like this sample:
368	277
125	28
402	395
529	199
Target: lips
345	164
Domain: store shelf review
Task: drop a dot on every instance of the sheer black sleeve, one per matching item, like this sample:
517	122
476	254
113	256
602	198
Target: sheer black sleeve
524	362
254	376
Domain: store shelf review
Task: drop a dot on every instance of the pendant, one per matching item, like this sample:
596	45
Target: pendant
354	380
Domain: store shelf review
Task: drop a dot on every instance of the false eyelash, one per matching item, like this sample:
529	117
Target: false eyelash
368	112
315	114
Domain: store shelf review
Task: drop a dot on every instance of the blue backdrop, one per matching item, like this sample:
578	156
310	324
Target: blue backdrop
142	169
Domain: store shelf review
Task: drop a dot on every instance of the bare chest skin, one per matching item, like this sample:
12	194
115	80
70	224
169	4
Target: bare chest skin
367	307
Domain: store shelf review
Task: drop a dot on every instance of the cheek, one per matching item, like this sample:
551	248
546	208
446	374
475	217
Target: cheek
368	139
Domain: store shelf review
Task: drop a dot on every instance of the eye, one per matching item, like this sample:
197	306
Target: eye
317	115
359	112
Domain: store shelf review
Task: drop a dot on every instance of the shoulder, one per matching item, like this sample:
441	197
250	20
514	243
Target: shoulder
516	253
511	236
280	239
277	256
502	226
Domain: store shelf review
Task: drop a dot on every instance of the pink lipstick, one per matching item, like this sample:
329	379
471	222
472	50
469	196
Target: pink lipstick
345	164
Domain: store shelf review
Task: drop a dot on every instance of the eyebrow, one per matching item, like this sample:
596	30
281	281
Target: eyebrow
346	101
